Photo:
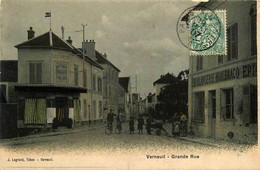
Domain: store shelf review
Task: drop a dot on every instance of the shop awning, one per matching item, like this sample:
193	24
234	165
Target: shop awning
49	88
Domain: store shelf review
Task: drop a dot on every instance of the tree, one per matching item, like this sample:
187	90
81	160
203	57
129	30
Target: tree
173	98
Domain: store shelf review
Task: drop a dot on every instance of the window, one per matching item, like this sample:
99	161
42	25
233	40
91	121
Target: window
249	104
100	109
85	78
253	29
35	71
94	82
199	106
85	108
76	78
220	59
99	84
199	63
94	109
228	104
232	41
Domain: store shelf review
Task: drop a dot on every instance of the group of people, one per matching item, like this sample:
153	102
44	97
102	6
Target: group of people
178	123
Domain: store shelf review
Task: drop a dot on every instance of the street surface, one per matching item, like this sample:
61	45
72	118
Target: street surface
94	140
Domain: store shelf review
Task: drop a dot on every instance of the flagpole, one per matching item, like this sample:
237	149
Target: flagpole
50	21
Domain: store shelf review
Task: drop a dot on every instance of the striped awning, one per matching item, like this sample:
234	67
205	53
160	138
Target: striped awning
49	88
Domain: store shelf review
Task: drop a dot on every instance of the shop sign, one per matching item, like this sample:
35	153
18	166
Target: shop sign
239	72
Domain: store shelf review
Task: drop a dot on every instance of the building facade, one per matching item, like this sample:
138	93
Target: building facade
110	84
223	89
96	90
125	97
53	82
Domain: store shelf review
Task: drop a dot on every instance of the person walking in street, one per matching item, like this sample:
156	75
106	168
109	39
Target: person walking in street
148	125
183	120
110	119
131	125
140	124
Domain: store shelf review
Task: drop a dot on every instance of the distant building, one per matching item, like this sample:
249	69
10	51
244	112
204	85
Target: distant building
96	90
223	89
125	99
163	81
137	101
110	84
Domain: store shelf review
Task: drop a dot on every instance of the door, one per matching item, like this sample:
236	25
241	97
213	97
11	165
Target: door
62	110
212	95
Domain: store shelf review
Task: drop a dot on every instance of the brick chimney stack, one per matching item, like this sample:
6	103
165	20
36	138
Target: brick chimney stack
69	40
89	46
30	33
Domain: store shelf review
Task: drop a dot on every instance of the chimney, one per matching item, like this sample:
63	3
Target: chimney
69	40
105	55
30	33
89	46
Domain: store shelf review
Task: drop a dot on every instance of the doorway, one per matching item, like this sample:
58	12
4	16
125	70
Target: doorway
212	110
62	110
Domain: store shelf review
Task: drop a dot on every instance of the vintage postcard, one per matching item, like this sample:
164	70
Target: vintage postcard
129	84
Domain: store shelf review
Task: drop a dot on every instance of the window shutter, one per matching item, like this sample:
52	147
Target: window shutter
228	44
246	104
32	72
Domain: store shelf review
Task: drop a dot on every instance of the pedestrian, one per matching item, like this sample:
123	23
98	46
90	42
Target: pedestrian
131	125
183	120
148	125
110	119
140	124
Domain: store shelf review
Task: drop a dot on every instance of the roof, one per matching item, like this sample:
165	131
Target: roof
167	78
51	41
8	70
102	60
46	40
124	82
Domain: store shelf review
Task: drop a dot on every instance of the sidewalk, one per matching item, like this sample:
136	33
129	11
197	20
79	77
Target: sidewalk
217	143
59	131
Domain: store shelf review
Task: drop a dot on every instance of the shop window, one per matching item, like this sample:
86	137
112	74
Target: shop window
232	41
253	29
35	71
199	104
228	104
71	103
199	63
76	78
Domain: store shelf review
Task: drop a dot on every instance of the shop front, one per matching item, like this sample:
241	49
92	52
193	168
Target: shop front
48	106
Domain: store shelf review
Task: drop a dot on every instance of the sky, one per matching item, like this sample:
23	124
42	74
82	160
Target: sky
139	37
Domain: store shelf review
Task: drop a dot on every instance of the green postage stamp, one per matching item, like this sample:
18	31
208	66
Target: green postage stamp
207	33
